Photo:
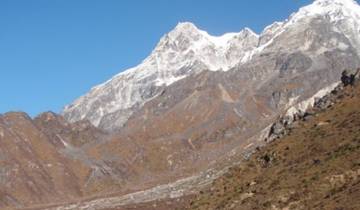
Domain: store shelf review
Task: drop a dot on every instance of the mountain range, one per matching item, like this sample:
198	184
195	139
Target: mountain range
188	51
196	105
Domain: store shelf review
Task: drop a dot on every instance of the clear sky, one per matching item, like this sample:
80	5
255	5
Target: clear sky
53	51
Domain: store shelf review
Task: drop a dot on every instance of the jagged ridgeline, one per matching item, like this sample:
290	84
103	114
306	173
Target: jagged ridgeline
312	41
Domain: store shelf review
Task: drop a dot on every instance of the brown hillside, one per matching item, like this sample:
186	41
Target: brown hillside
316	166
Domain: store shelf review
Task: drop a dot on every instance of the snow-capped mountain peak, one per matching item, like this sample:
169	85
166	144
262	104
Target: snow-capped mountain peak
344	15
186	35
334	9
183	51
186	28
188	50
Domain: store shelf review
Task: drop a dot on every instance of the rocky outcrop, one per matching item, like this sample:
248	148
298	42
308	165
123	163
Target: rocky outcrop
285	124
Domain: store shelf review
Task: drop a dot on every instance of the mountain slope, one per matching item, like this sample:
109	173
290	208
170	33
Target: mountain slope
200	122
316	166
196	123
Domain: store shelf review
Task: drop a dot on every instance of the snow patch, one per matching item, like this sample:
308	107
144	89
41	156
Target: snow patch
168	81
342	46
238	113
66	145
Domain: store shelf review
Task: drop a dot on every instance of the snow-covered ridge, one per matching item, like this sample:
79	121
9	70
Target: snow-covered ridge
200	40
184	51
334	9
187	50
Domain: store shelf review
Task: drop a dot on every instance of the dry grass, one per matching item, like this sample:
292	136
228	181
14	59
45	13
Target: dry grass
317	166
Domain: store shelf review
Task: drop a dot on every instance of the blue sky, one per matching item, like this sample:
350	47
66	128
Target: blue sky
53	51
